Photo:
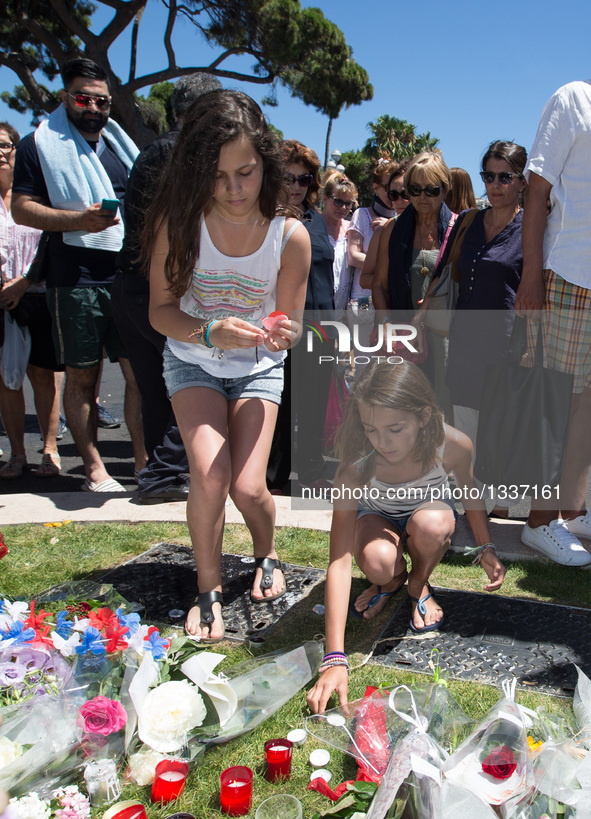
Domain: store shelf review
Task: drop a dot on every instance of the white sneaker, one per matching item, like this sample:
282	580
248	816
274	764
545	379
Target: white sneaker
556	542
581	526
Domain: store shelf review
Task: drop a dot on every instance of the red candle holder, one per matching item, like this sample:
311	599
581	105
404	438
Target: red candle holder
236	790
169	780
130	809
278	755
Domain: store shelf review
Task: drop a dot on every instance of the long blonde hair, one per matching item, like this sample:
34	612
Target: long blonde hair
400	386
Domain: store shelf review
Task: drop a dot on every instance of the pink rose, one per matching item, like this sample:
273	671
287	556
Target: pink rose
103	716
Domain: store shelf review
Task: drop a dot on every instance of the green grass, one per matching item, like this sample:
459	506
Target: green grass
42	556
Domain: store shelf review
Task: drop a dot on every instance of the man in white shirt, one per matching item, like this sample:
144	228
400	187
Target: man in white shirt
557	277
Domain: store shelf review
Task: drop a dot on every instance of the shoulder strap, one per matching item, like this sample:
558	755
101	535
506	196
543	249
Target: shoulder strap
287	236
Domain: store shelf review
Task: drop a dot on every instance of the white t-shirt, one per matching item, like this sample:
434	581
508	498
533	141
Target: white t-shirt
561	154
360	223
243	286
341	272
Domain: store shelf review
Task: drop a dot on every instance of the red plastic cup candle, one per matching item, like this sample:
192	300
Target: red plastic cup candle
278	756
169	780
130	809
236	790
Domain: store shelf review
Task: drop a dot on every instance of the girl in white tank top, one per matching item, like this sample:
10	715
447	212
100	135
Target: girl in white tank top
222	260
391	490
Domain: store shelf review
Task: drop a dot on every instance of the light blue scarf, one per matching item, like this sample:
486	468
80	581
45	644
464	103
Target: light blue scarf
75	176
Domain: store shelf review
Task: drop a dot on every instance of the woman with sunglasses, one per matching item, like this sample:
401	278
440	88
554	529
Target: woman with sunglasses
339	198
399	200
489	270
311	382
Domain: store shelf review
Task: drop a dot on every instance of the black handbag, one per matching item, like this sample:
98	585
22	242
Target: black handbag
524	420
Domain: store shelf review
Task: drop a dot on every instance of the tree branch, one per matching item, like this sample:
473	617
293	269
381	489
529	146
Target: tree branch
14	61
72	22
52	43
134	37
118	24
174	73
168	34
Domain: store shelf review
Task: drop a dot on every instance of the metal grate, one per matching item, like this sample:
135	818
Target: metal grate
486	638
163	581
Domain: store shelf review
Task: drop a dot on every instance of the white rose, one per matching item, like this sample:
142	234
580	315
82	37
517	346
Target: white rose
31	807
9	751
142	766
168	713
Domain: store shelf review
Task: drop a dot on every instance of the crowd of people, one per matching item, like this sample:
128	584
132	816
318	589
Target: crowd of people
199	262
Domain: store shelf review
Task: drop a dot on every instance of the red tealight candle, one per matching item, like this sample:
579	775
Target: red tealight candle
236	790
278	756
169	780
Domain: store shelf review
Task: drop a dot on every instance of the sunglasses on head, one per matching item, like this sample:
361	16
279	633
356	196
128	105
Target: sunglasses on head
428	190
86	100
505	178
342	203
304	180
394	195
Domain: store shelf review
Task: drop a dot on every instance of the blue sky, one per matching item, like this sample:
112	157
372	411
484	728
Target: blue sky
467	71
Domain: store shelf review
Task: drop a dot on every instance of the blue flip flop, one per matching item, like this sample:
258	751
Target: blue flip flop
374	600
422	609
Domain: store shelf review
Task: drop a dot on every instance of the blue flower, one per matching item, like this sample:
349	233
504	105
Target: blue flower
91	641
63	627
19	633
129	621
156	644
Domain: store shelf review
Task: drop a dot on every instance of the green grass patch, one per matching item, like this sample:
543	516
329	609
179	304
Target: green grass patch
43	556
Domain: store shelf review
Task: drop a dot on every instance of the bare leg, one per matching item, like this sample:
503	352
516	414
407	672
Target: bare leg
201	414
80	409
133	415
12	412
378	553
429	532
251	427
47	404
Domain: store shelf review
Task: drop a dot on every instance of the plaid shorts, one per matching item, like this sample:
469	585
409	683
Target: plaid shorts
566	325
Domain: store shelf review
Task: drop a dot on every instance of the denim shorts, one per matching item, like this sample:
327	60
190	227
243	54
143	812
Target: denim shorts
180	375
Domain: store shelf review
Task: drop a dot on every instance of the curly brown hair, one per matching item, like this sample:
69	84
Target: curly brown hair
188	180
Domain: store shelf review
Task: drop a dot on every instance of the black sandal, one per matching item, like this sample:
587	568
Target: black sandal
268	564
205	601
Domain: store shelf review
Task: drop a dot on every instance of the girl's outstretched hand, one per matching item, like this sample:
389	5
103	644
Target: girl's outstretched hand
494	569
334	679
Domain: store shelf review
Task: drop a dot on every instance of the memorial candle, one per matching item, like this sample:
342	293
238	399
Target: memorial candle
278	755
169	780
236	790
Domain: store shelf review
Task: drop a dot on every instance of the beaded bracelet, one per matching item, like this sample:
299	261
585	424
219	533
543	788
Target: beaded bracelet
481	550
206	336
333	664
334	654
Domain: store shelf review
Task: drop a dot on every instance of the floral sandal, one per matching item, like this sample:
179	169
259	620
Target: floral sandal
205	601
268	565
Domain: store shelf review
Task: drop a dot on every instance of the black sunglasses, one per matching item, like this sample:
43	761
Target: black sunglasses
394	195
6	147
428	190
505	178
342	203
85	100
304	180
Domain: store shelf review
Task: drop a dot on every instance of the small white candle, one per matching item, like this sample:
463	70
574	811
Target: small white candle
279	748
237	783
172	776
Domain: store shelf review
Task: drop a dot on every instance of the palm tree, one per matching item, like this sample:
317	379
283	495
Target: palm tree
396	138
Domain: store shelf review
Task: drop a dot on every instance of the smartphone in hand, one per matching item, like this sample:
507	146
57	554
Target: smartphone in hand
110	205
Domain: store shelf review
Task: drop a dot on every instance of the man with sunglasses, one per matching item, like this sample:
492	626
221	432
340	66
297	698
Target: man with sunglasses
69	180
557	277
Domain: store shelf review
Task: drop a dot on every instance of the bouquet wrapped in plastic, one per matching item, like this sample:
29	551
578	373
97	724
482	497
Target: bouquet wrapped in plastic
494	762
183	706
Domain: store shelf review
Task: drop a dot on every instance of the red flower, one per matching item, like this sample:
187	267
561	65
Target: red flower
500	763
115	635
3	549
101	618
36	620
